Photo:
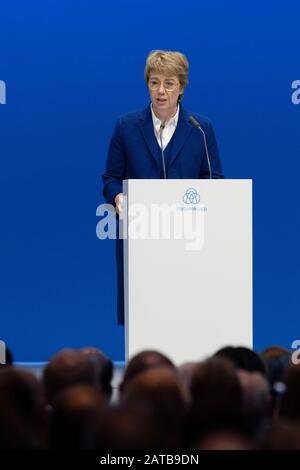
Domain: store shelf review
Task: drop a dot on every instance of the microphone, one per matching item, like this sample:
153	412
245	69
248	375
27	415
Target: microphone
162	126
196	124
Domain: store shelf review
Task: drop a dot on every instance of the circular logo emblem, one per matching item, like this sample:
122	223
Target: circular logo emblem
191	196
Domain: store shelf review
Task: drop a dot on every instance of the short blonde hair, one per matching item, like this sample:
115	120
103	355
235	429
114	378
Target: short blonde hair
169	63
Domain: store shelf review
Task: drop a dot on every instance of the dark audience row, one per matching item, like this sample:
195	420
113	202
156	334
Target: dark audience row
236	399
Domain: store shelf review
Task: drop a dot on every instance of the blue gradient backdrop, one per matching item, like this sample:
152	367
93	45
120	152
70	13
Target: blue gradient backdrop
71	68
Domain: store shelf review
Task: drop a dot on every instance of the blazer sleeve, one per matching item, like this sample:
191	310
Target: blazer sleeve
115	166
214	156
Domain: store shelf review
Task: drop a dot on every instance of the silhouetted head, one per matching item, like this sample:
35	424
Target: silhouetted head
289	405
129	428
14	434
67	367
143	361
103	367
243	358
76	414
256	402
277	361
21	392
216	398
185	373
160	391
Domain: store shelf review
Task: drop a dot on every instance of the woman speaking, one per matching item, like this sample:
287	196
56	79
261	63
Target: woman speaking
164	140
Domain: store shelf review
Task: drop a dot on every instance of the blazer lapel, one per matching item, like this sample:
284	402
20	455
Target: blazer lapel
182	132
146	126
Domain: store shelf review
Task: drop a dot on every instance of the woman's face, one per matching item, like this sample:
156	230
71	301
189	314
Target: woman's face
164	92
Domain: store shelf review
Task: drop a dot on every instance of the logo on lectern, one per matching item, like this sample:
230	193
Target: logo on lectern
191	196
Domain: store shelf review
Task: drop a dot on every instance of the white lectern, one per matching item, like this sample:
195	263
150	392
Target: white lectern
187	266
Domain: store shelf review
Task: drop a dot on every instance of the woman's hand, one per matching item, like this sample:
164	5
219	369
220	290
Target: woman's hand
119	203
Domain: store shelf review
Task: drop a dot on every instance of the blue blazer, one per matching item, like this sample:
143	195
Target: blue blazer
134	153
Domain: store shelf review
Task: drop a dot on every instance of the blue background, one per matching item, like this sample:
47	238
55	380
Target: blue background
71	68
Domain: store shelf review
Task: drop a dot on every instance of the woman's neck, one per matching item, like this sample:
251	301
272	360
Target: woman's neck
164	117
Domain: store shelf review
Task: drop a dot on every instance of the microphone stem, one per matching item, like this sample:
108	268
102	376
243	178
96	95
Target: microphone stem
162	152
206	151
196	124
